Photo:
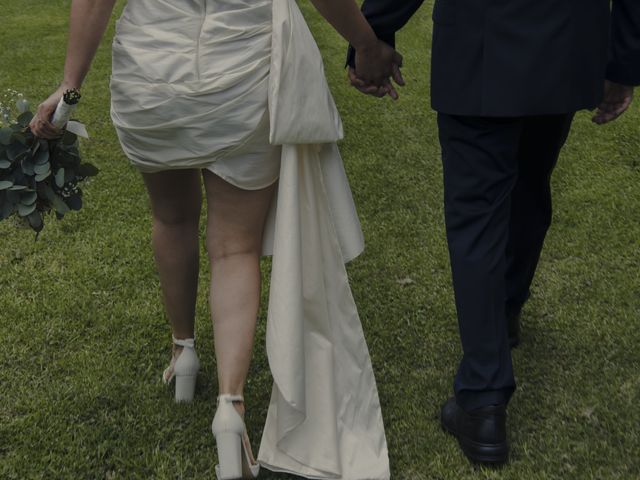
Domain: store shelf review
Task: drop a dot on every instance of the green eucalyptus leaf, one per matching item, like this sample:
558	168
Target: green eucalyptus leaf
27	167
88	170
68	159
60	177
39	169
5	163
28	198
35	220
42	156
75	202
42	176
5	135
25	118
59	204
4	184
69	138
22	105
24	210
16	151
69	175
17	188
20	137
48	192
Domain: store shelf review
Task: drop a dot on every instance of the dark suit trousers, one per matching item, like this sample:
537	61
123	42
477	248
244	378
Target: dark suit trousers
497	211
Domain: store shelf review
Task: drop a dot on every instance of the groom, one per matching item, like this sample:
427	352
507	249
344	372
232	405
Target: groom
507	78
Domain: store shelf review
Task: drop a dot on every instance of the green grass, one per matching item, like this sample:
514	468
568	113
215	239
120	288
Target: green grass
84	337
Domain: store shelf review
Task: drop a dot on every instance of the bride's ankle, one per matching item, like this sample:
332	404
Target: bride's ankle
176	350
178	345
237	404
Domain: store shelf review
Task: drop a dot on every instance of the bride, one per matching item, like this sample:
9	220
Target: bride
231	94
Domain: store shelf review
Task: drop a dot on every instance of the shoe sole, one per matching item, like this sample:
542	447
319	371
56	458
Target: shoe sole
491	454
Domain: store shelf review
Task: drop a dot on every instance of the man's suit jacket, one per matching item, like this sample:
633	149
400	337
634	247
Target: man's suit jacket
521	57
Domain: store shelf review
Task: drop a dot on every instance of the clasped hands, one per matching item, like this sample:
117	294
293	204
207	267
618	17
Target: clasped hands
376	65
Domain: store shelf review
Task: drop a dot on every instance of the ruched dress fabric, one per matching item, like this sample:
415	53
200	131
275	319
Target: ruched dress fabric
194	86
189	87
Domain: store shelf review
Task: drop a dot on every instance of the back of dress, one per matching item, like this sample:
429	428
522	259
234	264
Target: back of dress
190	83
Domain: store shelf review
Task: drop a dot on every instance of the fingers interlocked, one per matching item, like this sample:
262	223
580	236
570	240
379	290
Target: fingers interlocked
374	70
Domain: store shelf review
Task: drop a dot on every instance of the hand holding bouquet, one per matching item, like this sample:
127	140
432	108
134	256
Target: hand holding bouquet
42	173
65	108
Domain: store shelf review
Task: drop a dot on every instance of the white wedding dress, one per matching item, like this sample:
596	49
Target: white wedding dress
237	87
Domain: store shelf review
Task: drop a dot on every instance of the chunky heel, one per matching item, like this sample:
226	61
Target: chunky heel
184	368
229	449
185	387
234	456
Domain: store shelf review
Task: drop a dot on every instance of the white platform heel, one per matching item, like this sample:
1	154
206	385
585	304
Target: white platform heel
184	368
234	453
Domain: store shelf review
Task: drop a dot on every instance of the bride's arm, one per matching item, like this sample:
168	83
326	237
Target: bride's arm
88	22
347	19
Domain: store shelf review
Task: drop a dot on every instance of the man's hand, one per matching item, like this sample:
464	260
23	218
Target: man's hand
374	70
617	99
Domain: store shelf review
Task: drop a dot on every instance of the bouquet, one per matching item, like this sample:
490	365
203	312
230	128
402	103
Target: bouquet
38	176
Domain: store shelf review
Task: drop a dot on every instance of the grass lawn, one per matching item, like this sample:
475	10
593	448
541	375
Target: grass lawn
84	338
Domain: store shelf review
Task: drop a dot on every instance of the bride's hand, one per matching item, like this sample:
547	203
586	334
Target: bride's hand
41	122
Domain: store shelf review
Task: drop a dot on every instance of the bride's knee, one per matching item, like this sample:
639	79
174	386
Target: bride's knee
232	249
176	217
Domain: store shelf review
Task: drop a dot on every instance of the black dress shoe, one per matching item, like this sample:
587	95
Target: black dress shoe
513	328
481	433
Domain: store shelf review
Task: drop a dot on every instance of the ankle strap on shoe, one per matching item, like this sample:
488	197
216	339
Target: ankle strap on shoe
186	342
226	397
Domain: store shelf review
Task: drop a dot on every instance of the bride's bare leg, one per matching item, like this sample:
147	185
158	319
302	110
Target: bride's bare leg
176	198
235	224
